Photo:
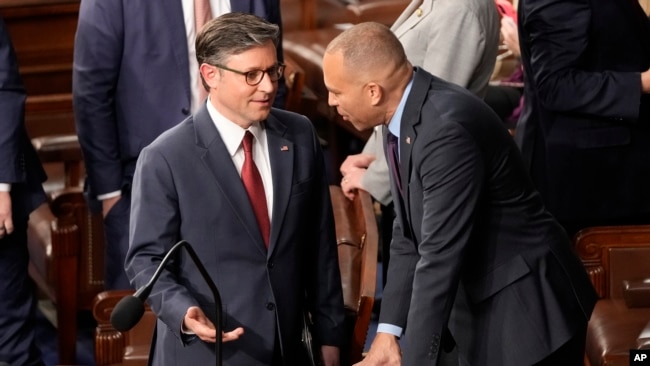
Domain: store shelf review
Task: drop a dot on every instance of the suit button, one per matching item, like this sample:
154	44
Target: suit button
271	264
185	111
270	306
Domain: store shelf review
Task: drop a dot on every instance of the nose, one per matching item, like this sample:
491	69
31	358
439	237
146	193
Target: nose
266	85
331	100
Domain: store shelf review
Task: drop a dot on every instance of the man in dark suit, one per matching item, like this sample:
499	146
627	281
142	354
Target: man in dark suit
135	76
21	191
585	128
476	260
271	250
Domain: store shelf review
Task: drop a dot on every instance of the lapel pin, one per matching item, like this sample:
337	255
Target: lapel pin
408	140
284	148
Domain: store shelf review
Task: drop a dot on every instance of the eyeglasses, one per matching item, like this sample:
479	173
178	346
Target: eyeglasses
255	77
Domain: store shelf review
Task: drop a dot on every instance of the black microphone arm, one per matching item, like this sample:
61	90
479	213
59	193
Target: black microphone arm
130	309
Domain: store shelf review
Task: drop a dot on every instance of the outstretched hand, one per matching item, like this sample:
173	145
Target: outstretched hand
196	322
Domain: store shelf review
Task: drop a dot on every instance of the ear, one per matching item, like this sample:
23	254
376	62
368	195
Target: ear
210	74
374	93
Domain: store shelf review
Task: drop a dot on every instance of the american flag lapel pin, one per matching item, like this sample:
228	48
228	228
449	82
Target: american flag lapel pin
408	140
284	148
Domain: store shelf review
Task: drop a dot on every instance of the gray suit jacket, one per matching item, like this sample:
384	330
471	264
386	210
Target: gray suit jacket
187	187
474	251
456	40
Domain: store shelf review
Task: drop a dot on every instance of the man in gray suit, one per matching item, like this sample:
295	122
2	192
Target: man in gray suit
271	250
456	40
135	76
480	272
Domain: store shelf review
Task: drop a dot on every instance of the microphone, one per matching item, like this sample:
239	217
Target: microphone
128	311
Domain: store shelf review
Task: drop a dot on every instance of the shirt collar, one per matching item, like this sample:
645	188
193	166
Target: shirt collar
396	120
231	134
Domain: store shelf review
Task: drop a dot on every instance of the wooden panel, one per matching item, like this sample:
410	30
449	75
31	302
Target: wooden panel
42	32
49	114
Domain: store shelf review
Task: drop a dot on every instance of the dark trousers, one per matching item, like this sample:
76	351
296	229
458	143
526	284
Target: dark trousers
17	301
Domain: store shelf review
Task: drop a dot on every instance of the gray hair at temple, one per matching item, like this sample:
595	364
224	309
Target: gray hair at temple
231	34
368	47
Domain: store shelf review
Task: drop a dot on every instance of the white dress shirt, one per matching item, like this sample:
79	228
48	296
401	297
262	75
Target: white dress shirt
232	136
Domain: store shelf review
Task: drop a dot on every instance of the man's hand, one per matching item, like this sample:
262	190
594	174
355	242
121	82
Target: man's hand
6	221
358	161
331	355
353	169
352	182
196	322
510	35
384	351
645	81
107	204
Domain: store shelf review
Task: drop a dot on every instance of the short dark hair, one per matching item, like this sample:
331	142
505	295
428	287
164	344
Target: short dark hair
231	34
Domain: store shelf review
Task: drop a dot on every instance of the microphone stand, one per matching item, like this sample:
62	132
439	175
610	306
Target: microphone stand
143	293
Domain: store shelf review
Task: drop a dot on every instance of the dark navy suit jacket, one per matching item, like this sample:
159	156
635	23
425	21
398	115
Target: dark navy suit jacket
131	79
20	165
585	127
474	251
187	187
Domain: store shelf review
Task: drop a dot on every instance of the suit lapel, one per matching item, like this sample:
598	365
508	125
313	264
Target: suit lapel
409	129
217	160
410	17
281	155
173	10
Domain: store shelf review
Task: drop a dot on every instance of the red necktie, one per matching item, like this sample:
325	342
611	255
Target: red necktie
255	188
202	15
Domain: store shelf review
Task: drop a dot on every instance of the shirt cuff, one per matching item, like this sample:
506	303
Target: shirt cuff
186	331
106	196
5	187
390	329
